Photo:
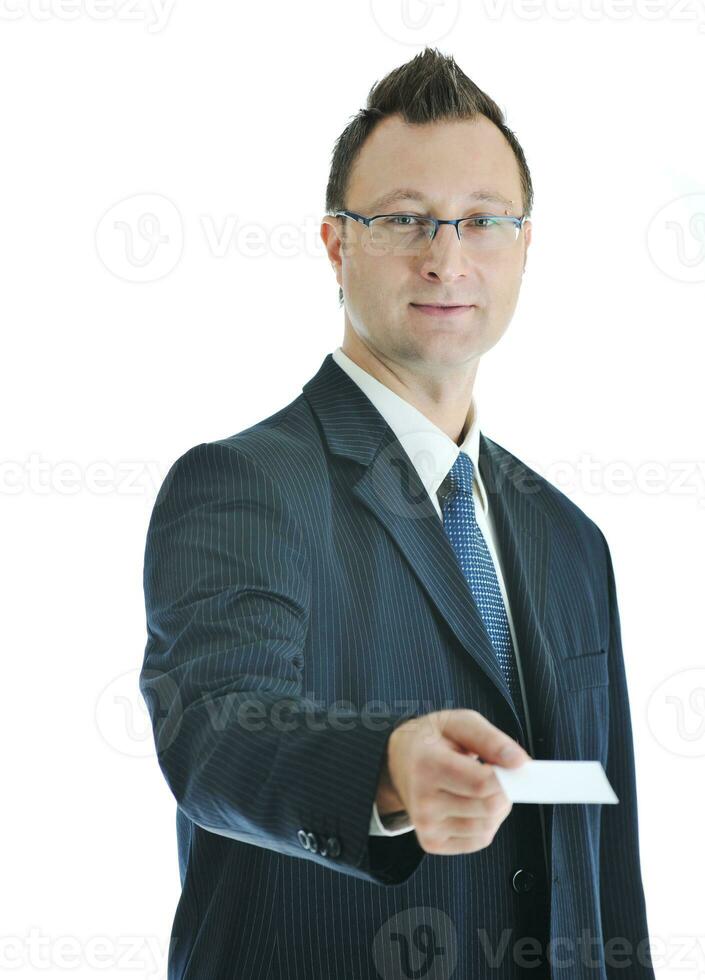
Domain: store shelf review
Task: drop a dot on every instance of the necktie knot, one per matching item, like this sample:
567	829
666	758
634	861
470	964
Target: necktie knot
460	475
457	499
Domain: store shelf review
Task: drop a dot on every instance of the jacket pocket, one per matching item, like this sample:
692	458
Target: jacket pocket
585	670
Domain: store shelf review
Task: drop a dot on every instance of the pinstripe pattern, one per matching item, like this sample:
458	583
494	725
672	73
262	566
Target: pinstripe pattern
301	564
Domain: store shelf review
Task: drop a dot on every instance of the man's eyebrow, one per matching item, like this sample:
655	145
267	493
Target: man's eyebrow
409	194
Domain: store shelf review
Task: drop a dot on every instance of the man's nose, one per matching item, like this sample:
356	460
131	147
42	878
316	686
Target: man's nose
446	255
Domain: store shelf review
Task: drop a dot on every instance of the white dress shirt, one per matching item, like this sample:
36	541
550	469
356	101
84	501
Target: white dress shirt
432	453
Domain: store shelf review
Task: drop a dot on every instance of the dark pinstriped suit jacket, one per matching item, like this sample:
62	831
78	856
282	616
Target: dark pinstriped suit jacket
302	599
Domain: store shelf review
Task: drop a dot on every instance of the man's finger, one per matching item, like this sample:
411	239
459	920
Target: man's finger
474	733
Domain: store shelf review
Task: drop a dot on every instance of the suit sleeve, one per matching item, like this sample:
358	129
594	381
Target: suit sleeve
246	755
621	891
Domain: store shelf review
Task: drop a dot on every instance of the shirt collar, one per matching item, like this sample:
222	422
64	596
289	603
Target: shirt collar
431	451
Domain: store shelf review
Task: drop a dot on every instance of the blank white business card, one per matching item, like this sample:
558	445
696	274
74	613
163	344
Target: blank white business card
548	781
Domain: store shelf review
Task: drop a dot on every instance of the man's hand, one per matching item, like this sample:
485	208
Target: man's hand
432	770
387	799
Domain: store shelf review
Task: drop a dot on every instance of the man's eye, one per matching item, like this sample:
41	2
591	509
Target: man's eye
403	219
483	221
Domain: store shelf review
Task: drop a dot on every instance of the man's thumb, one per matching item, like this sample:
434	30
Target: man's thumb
474	733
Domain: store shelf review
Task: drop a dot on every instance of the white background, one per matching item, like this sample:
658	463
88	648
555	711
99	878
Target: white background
120	356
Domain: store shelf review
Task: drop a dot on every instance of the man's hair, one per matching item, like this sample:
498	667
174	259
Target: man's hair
426	89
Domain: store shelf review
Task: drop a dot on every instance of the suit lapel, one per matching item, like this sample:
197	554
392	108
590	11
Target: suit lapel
392	491
524	541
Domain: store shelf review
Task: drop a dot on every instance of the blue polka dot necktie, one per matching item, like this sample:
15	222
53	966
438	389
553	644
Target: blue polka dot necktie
460	524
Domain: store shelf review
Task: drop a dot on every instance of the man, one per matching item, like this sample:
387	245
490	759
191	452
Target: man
356	604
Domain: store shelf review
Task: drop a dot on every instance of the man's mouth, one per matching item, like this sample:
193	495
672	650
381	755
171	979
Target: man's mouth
438	309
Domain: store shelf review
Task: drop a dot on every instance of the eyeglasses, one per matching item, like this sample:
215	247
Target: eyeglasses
395	233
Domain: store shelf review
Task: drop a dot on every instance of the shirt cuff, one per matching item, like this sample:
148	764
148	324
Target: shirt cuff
389	825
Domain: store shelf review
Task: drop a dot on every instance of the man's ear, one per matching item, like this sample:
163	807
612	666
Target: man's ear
527	240
333	244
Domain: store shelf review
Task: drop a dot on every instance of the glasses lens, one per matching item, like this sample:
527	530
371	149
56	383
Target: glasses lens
409	233
400	233
487	232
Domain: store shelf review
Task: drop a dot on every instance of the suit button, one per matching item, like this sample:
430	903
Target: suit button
332	847
303	838
523	880
312	842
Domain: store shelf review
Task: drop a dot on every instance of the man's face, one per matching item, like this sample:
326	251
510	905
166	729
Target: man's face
445	162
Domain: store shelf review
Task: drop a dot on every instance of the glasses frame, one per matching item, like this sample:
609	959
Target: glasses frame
437	222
